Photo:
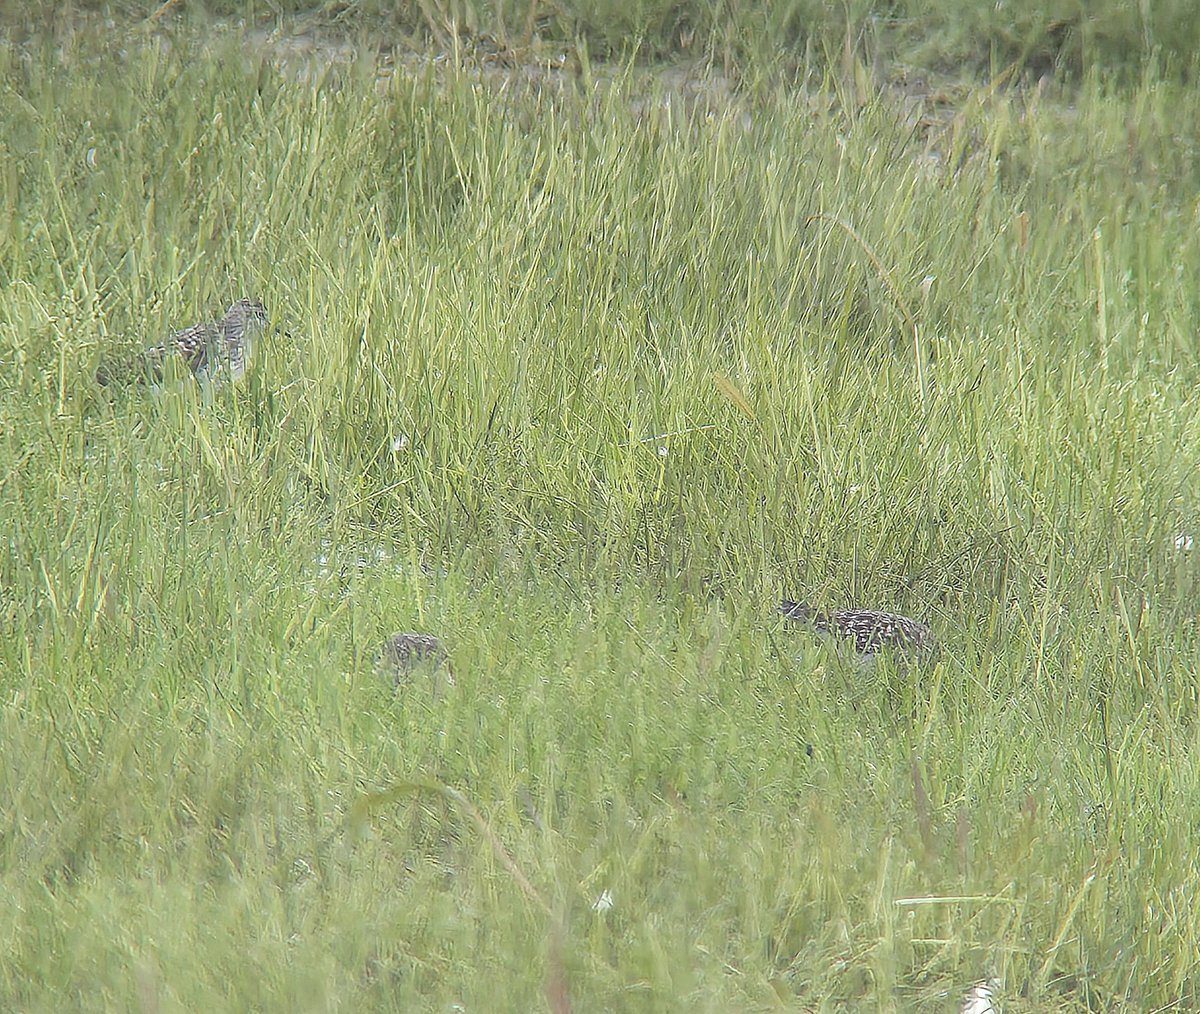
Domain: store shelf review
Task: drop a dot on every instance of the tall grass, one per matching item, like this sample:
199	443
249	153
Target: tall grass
582	383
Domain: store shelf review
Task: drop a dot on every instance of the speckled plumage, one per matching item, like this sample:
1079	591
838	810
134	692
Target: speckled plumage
215	351
870	630
400	655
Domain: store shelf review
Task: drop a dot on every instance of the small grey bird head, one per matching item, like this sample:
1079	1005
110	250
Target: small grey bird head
800	611
244	315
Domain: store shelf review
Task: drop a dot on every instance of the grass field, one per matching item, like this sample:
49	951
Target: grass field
583	376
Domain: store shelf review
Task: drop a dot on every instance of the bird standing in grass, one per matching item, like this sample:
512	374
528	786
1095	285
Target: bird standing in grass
216	352
870	630
402	654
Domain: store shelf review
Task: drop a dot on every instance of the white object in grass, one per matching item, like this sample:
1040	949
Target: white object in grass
980	999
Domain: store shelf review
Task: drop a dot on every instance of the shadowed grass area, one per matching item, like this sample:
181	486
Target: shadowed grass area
581	380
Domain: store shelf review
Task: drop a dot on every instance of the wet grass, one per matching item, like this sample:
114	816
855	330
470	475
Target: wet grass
583	384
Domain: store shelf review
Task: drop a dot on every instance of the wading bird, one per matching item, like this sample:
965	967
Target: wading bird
402	654
216	352
867	631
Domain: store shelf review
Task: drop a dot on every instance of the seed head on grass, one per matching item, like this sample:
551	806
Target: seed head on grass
215	351
870	630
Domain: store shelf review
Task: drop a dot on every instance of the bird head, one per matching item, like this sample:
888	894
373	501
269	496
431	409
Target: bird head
797	610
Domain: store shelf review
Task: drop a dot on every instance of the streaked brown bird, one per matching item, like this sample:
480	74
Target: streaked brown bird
401	655
216	351
868	631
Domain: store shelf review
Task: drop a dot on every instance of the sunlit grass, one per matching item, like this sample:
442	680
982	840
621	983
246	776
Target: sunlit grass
583	385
